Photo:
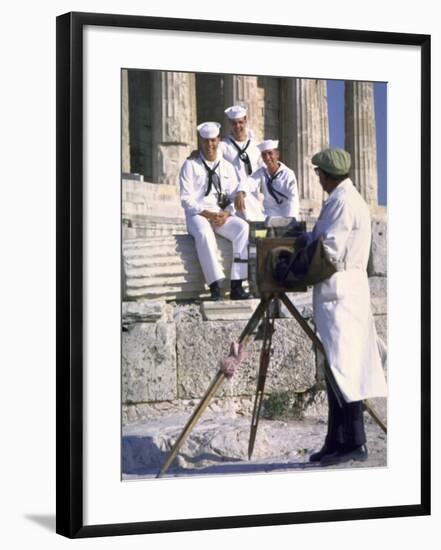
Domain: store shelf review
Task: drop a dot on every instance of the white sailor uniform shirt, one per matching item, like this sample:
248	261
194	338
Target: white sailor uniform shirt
193	182
280	191
230	153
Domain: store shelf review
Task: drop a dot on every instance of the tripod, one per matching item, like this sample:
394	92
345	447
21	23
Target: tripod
263	311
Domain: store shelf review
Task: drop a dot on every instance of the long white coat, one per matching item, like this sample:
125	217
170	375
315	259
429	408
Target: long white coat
342	309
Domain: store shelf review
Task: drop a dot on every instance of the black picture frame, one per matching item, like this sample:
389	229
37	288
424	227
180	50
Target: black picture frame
69	294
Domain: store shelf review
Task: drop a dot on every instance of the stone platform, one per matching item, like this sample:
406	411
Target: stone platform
219	445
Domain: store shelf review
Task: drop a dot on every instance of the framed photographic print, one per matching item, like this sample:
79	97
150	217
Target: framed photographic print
153	432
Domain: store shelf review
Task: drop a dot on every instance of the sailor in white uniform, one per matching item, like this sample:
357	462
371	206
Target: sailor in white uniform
207	187
275	181
342	309
240	148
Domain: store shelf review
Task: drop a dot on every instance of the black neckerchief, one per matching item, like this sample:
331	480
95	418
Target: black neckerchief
274	192
243	155
213	178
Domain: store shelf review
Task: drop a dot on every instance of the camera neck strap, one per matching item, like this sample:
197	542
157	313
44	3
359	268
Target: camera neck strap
213	178
243	155
272	191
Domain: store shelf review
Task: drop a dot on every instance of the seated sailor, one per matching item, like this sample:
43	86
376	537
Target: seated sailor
275	181
207	187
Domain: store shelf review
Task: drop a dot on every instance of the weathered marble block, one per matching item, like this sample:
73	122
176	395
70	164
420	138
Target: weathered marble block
143	311
228	310
201	346
149	362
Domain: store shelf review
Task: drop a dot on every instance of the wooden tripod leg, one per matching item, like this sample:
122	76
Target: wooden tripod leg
215	384
371	410
212	389
261	379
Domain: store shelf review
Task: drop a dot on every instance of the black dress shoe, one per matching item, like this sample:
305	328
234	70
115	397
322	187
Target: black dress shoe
325	450
358	453
215	291
237	292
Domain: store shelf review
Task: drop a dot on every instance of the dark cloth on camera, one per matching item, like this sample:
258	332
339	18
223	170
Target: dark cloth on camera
307	266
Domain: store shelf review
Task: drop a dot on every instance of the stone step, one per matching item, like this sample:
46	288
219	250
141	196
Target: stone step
159	249
169	293
167	267
169	262
166	280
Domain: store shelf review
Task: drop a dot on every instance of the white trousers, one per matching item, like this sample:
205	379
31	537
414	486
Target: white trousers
235	230
253	211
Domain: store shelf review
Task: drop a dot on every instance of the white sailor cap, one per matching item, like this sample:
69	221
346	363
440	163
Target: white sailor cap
268	144
209	130
236	111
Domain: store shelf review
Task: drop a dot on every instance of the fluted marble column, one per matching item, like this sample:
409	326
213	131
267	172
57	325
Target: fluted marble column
243	90
360	138
174	123
125	134
305	131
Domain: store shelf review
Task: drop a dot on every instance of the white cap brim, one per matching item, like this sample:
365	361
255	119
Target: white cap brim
209	130
268	145
236	111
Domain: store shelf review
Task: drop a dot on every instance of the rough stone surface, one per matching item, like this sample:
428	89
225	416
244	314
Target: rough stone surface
304	131
360	138
219	444
154	201
312	404
186	313
173	123
143	311
381	326
228	310
302	301
202	346
378	260
378	288
149	362
380	403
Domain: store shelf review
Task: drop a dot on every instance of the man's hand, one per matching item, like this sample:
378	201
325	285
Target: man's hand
239	201
221	218
216	218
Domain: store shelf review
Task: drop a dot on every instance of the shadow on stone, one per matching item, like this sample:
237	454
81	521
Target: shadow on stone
141	455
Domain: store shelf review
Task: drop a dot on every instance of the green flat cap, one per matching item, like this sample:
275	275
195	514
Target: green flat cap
336	162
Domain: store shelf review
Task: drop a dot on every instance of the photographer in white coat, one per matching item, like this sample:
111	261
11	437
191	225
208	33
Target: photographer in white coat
342	309
275	181
207	187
